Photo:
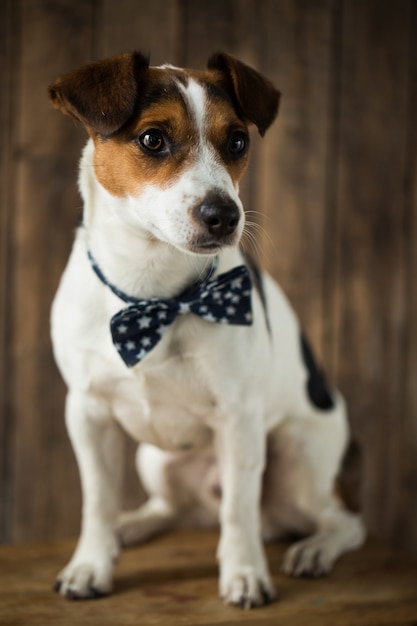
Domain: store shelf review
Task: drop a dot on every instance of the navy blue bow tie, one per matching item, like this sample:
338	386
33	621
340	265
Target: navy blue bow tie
137	328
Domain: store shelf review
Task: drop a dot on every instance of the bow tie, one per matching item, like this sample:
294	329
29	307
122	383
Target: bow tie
137	328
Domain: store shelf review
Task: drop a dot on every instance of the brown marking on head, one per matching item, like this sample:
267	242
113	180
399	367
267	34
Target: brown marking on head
121	99
254	96
123	165
225	131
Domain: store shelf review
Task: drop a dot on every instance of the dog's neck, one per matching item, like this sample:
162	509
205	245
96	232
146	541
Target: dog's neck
131	259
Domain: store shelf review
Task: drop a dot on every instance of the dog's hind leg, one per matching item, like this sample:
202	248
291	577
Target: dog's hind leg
307	453
150	519
159	513
183	491
338	531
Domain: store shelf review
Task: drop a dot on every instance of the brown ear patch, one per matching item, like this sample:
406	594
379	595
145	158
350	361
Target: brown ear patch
101	95
254	95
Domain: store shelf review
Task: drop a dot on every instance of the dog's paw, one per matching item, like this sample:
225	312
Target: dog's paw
247	588
83	581
89	574
310	558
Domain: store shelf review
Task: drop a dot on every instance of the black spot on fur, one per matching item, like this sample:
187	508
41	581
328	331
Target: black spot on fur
317	388
258	283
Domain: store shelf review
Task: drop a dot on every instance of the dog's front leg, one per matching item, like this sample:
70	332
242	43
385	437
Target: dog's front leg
96	440
244	577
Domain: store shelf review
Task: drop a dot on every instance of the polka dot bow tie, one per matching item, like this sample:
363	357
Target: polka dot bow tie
137	328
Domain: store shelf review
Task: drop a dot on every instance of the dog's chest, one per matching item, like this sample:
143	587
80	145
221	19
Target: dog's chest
166	405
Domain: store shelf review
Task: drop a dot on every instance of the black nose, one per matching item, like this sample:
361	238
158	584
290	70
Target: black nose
220	216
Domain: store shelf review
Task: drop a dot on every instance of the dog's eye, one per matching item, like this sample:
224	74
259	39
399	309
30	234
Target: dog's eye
152	141
237	144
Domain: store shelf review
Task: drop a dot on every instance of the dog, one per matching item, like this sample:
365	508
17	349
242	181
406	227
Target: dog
162	327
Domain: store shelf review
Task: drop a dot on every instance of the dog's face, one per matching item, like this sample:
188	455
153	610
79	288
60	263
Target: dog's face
171	145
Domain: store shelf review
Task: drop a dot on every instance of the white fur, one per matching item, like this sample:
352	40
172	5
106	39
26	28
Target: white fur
206	392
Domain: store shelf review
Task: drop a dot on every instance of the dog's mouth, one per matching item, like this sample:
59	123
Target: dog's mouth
205	249
198	245
208	245
211	246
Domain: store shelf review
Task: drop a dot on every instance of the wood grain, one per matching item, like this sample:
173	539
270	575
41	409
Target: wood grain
333	185
123	28
173	580
151	27
229	27
7	70
47	208
369	293
402	504
292	167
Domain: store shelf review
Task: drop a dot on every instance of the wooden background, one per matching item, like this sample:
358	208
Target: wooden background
334	181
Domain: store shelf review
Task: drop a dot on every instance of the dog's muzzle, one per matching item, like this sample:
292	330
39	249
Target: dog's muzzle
219	216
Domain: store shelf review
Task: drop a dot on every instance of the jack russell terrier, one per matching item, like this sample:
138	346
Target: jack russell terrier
162	326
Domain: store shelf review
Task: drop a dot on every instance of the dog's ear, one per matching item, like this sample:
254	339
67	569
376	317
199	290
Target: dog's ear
101	95
255	96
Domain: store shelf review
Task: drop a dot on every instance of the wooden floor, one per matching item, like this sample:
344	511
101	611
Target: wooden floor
173	580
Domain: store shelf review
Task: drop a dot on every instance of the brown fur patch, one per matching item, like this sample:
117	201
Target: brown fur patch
123	167
222	122
101	95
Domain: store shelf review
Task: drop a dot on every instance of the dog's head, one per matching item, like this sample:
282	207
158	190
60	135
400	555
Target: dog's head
171	145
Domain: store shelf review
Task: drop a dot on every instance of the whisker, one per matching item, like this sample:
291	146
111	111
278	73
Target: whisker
254	232
251	242
268	241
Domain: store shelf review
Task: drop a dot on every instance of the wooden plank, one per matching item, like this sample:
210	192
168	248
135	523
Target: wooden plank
54	37
7	73
233	28
365	137
151	27
208	26
297	40
369	292
402	513
121	26
173	581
